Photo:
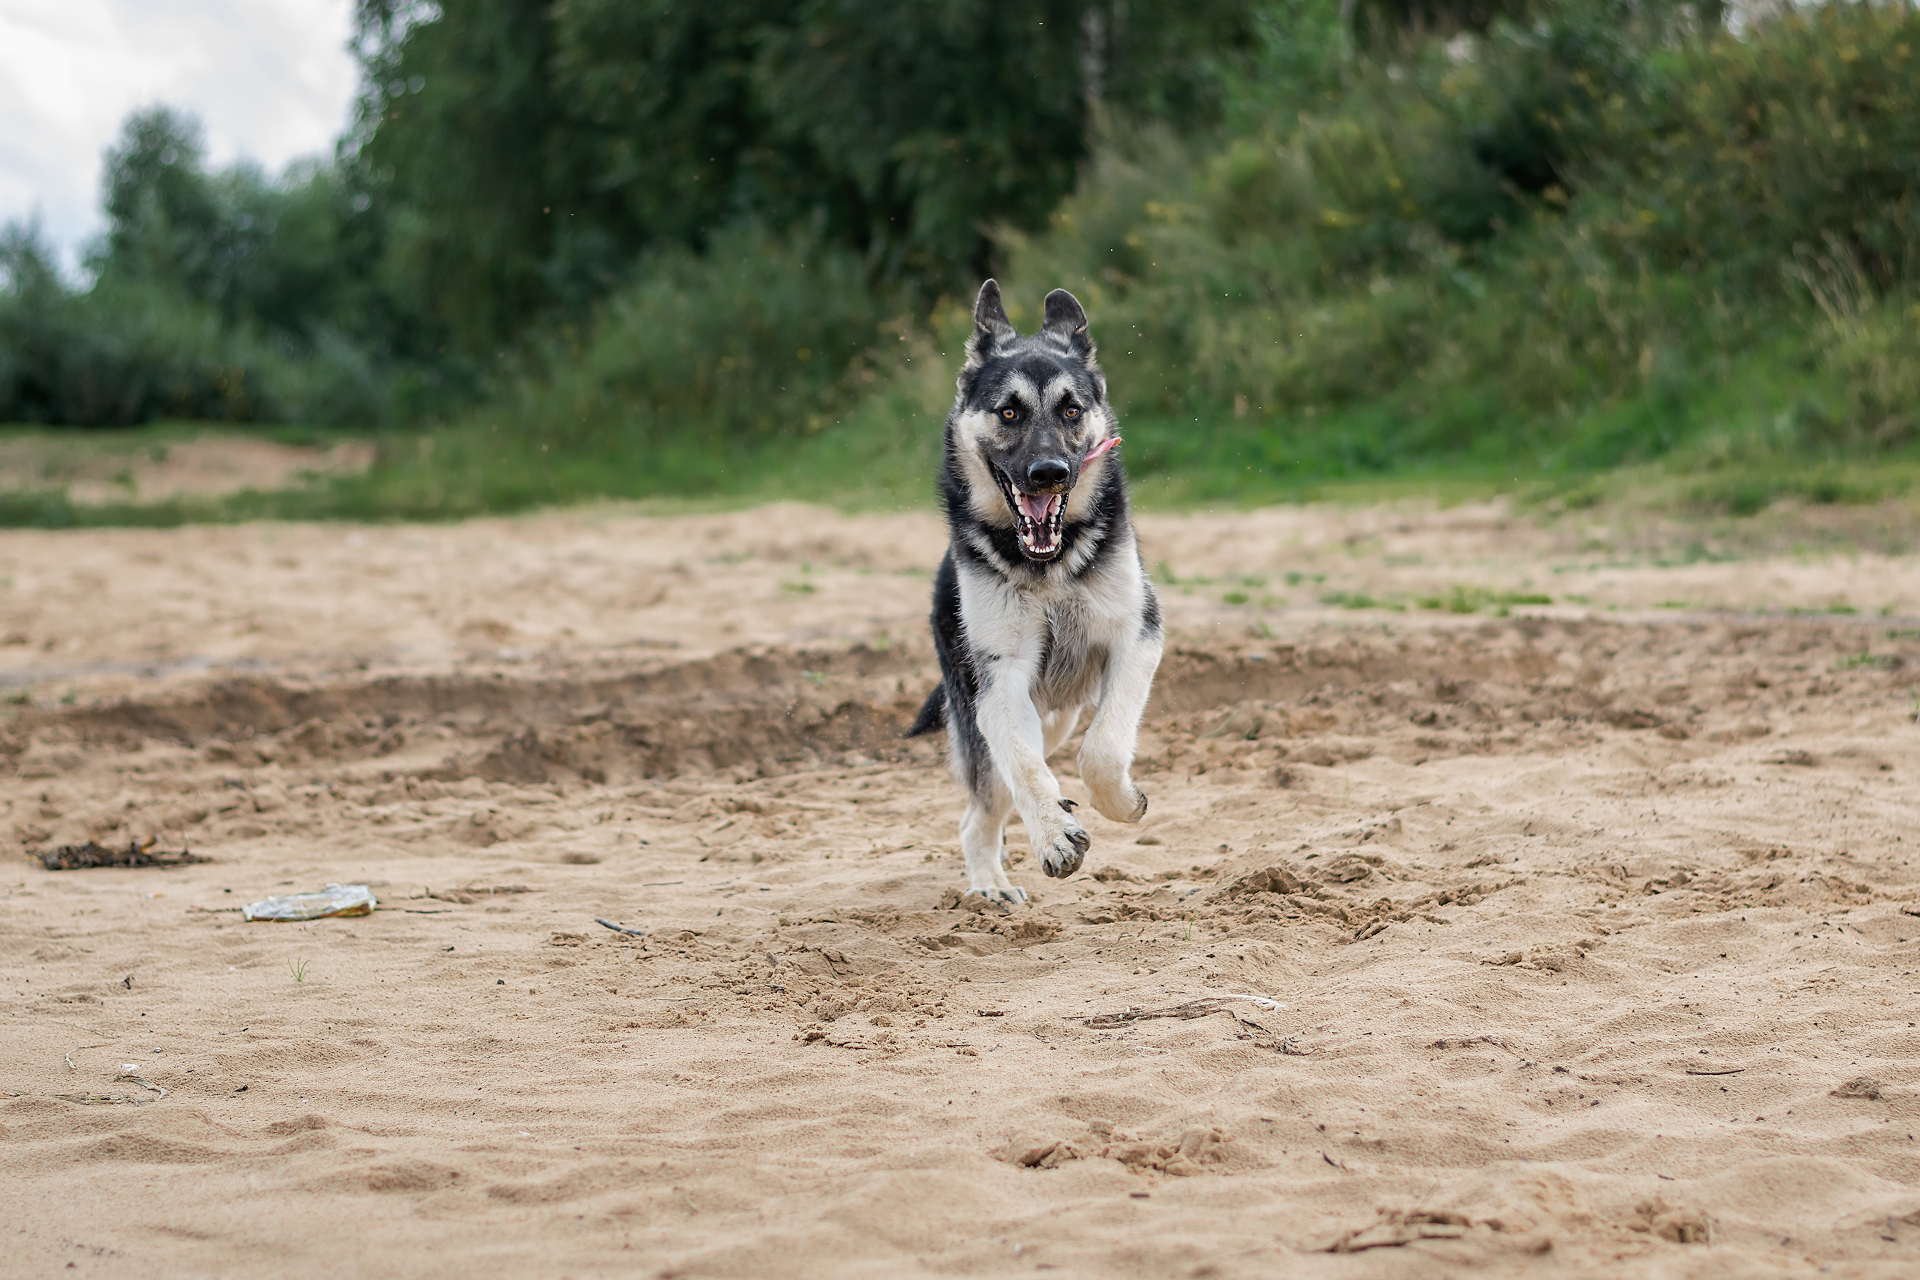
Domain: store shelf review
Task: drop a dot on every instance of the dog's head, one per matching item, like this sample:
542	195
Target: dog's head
1032	416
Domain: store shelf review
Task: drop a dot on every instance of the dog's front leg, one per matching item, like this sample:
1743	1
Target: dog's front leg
1017	741
1106	754
983	839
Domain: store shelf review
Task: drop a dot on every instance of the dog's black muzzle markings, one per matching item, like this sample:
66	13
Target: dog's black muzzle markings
1039	506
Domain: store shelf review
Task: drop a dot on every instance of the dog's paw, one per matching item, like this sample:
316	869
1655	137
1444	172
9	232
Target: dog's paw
1125	803
1011	896
1066	851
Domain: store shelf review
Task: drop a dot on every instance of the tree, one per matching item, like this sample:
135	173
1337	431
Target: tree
454	145
526	152
164	221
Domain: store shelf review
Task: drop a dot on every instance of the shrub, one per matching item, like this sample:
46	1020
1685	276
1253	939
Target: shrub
134	352
1572	243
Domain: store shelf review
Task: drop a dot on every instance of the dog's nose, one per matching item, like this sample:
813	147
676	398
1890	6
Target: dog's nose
1048	472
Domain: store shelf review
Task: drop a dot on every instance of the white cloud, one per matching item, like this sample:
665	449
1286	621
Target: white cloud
271	80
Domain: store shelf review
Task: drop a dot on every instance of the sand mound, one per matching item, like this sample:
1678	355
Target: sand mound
1572	942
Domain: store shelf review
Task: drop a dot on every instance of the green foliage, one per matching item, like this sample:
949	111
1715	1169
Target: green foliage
1460	599
699	379
456	115
284	255
1399	237
523	154
1571	245
132	350
1806	130
165	221
220	296
719	353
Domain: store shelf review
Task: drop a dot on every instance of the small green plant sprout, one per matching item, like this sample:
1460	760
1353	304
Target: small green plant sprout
298	968
817	677
1235	597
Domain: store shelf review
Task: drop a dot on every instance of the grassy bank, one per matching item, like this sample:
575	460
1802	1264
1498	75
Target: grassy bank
882	456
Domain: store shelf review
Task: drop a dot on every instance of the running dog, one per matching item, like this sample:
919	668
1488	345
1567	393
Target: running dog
1041	608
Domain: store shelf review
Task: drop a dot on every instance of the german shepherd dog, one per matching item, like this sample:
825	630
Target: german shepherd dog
1041	608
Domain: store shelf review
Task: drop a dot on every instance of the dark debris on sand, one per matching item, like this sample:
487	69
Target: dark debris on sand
74	857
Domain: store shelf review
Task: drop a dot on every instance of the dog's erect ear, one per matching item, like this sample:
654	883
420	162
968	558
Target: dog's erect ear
1067	323
991	327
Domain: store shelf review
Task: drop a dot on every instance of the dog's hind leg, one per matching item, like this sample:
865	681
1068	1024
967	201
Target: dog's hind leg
1057	726
1106	756
983	839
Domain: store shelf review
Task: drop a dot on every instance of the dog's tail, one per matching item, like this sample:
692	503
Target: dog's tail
933	714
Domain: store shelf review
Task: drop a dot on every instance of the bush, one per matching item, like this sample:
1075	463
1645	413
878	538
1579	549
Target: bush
1574	243
759	336
699	378
132	351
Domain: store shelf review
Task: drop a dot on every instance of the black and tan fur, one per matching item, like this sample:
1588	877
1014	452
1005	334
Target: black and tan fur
1041	609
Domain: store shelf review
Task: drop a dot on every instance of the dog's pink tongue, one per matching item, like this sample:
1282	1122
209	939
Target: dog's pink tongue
1038	506
1097	450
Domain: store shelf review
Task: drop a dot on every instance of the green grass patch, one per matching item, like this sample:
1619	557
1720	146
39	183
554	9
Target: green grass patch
1479	599
880	454
1750	491
1359	600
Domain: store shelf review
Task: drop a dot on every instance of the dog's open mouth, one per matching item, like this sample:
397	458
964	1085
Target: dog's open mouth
1037	518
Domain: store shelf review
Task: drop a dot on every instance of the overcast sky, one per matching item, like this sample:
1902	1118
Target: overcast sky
271	80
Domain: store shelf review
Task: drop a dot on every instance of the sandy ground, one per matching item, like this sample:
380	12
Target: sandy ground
1553	938
97	467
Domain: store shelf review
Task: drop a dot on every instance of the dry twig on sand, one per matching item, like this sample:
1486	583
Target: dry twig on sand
1191	1009
1289	1045
128	1072
1396	1229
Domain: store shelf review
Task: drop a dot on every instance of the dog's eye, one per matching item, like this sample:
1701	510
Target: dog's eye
1009	414
1071	411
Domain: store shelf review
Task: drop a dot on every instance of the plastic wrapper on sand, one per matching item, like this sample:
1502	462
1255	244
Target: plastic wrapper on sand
334	900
